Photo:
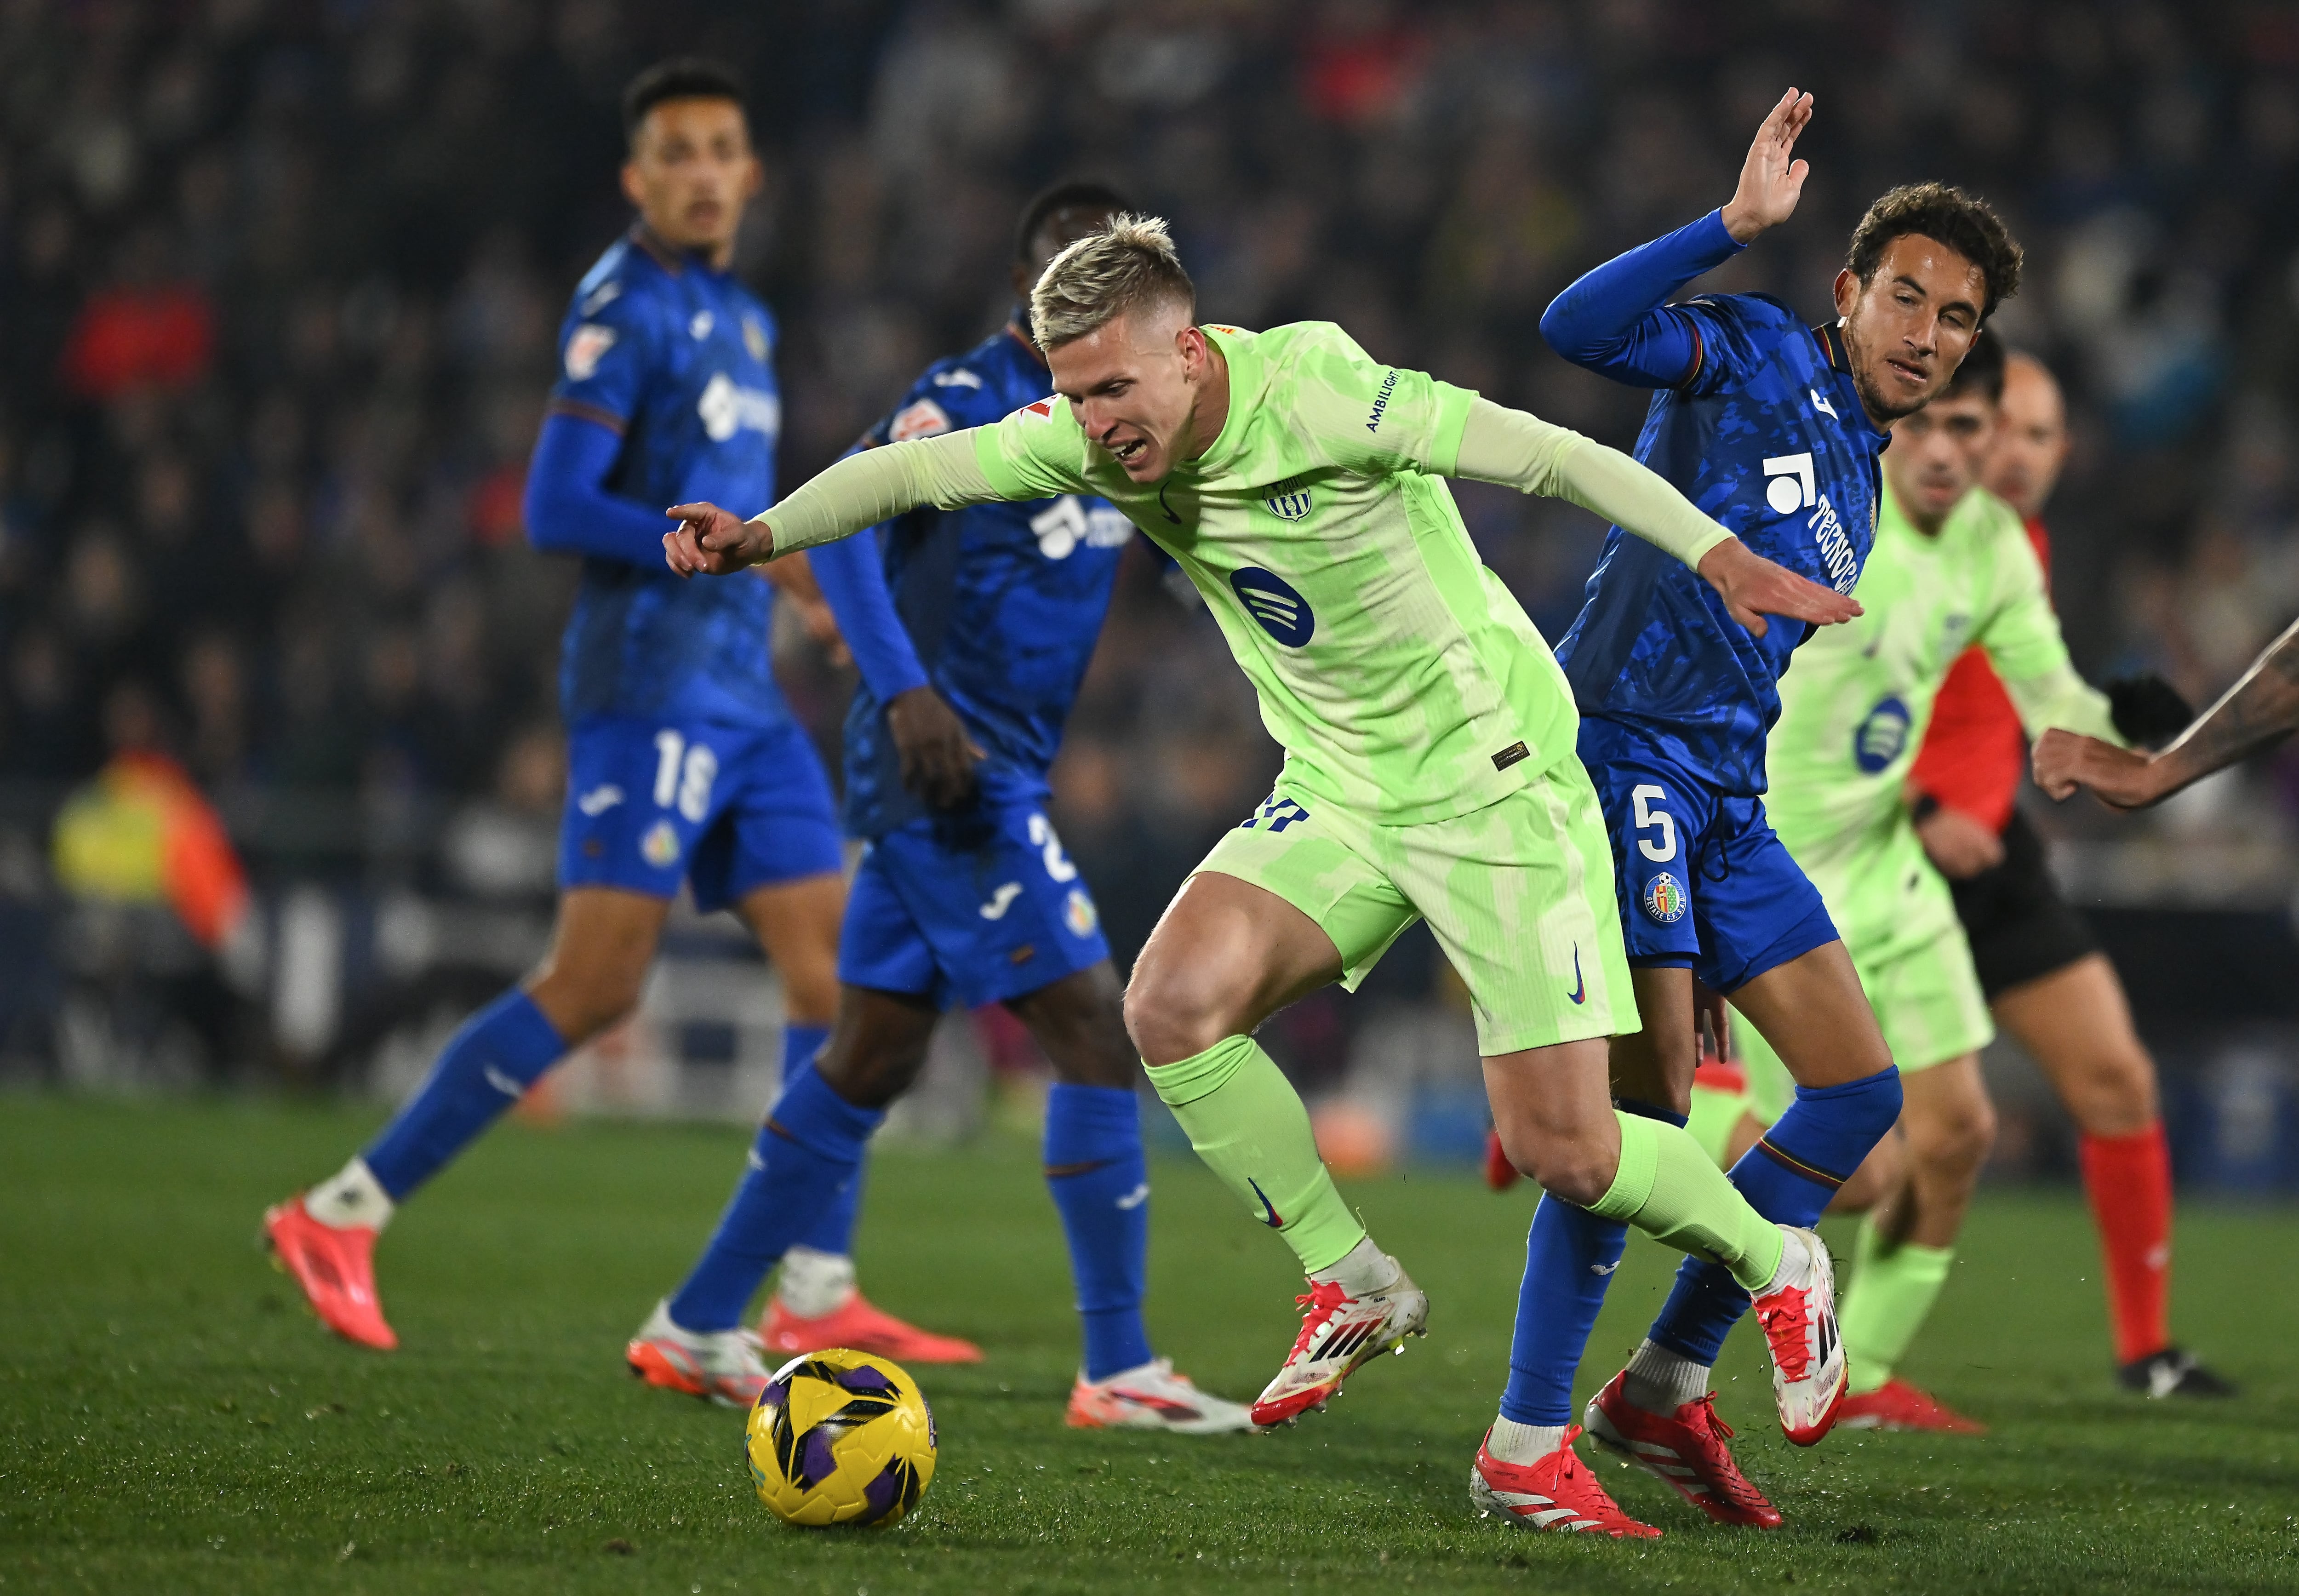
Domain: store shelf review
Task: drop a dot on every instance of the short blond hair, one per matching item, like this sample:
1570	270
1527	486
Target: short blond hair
1130	263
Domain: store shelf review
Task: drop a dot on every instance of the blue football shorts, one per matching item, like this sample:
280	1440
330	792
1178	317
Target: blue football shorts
726	808
973	908
1703	881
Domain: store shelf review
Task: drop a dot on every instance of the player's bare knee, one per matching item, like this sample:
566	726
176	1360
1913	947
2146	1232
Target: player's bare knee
870	1078
1579	1176
1174	1012
1956	1142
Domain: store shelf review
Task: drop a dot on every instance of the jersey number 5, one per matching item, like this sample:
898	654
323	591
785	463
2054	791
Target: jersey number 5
686	782
1649	818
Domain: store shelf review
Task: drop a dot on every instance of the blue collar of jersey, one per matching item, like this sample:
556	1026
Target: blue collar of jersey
1829	337
671	261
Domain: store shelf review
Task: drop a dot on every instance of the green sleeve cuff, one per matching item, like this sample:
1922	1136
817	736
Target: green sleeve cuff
1445	437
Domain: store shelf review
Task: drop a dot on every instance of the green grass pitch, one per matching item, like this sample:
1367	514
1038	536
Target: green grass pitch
171	1419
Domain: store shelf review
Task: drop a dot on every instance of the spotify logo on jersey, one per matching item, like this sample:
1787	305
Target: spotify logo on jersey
1283	614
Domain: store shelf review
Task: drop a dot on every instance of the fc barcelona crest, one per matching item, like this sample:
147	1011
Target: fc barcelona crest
1288	501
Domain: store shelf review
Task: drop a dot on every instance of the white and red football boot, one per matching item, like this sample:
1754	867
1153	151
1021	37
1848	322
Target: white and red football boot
1153	1397
1684	1452
718	1366
334	1267
1896	1405
1556	1492
860	1324
1797	1313
1340	1332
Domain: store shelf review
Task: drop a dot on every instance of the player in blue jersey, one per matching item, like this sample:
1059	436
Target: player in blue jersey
684	764
972	629
1774	428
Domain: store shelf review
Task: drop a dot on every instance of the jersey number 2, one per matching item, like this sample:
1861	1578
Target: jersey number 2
688	782
1050	849
1661	851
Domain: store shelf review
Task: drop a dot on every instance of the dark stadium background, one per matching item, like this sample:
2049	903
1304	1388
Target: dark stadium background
278	284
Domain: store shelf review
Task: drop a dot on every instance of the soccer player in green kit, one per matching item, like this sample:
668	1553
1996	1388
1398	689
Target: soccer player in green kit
1430	767
1951	567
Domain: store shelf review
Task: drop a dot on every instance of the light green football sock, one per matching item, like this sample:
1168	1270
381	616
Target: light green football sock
1675	1192
1892	1292
1247	1122
1714	1113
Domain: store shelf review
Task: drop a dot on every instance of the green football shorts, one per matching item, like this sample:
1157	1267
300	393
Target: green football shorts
1928	1001
1519	895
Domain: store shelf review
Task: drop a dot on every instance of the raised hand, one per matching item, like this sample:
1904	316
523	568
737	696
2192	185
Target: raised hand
2121	776
1753	588
1770	182
714	542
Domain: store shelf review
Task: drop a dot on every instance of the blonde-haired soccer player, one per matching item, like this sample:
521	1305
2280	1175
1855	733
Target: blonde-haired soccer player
1430	773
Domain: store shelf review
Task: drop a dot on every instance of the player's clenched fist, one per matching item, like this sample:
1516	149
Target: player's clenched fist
714	542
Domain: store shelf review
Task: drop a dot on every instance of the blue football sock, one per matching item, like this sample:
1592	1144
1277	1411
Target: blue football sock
809	1146
485	1067
1569	1259
1101	1182
834	1230
1788	1177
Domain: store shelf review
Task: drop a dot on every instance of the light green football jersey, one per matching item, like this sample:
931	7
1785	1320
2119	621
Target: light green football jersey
1399	675
1855	704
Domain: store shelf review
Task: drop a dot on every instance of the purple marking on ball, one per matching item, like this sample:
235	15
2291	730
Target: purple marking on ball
775	1395
884	1492
816	1463
866	1380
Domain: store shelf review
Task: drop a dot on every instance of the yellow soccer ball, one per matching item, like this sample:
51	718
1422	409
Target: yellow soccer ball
841	1437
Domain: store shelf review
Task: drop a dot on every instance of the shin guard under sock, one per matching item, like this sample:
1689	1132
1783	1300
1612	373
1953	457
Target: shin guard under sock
1892	1294
1247	1122
1788	1177
1100	1183
1570	1255
808	1148
2128	1181
485	1067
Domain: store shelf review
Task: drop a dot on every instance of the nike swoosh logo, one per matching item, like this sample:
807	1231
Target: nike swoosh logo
1170	516
1603	1268
1270	1216
502	1083
1001	901
1579	992
1140	1195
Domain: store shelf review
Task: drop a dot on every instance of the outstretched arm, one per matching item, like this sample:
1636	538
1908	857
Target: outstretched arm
1616	321
2256	713
1534	456
859	490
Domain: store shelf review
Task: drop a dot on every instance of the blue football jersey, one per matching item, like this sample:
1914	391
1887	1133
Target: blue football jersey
1002	602
678	359
1768	437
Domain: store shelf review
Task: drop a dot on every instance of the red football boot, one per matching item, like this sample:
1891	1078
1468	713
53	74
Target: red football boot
1685	1451
1896	1405
864	1329
1557	1492
334	1267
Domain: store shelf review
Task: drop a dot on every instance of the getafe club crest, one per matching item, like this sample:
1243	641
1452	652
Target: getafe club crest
1288	501
1664	899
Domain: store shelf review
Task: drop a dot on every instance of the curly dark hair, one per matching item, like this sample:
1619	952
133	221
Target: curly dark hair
1946	214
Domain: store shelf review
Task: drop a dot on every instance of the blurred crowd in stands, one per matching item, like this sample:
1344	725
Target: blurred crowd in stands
279	281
